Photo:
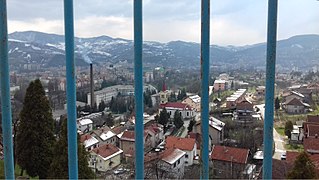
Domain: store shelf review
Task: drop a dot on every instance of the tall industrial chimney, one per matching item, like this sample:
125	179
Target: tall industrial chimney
92	85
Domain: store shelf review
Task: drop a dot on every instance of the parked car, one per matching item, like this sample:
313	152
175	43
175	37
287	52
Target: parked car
283	156
119	171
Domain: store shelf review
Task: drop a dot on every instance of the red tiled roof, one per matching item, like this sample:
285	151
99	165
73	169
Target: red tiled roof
305	125
230	154
313	130
106	150
85	137
313	118
292	156
177	105
130	135
280	169
180	143
119	129
197	137
311	144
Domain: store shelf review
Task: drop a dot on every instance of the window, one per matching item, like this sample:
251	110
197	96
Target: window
178	161
186	156
175	164
187	114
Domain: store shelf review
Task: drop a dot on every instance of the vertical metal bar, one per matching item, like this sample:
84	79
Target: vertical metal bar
71	94
205	27
270	86
5	94
138	88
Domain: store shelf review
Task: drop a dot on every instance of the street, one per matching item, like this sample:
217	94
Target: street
278	139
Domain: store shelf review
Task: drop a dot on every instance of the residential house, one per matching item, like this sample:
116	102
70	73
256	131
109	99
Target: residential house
105	158
220	85
307	93
119	130
296	133
155	99
188	145
185	110
244	113
295	106
105	135
235	98
198	139
193	101
260	91
164	95
156	133
85	125
216	130
127	143
172	163
229	162
288	96
89	142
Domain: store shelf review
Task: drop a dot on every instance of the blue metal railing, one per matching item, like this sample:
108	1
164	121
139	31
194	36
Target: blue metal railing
138	88
70	89
270	86
5	94
138	70
205	14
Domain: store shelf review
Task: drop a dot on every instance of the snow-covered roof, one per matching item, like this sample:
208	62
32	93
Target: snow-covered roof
219	81
298	94
105	136
90	142
85	122
195	98
215	123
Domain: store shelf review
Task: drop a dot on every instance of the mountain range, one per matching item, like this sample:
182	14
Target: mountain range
48	50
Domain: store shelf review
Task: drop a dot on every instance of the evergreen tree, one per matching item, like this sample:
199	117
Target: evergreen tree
178	122
190	126
172	97
303	168
35	134
164	116
102	106
59	165
277	104
288	128
109	120
157	118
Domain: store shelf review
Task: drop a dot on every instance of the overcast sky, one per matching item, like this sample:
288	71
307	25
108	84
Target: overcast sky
233	22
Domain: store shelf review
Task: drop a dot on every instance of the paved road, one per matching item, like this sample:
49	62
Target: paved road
279	142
